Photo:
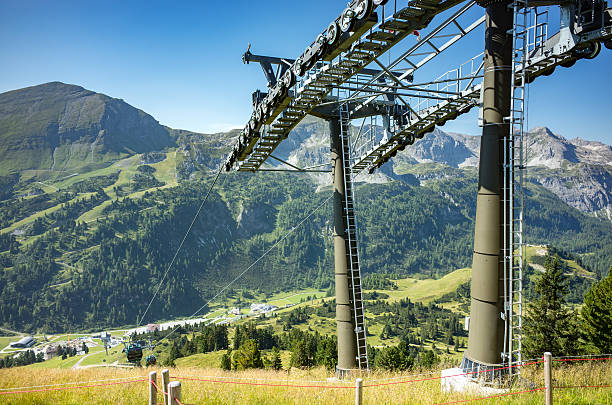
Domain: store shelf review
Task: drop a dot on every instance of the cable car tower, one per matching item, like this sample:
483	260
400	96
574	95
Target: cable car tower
349	73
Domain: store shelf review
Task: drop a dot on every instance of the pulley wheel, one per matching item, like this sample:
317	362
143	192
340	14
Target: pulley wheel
308	63
322	44
593	50
265	106
333	34
363	9
548	71
590	51
347	21
288	79
298	68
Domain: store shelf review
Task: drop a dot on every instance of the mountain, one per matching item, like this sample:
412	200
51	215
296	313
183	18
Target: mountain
579	172
455	150
543	148
114	227
57	126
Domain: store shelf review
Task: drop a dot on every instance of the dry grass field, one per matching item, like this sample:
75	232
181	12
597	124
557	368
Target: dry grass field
300	387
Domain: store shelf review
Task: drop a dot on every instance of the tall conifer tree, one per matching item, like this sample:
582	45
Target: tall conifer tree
597	314
550	326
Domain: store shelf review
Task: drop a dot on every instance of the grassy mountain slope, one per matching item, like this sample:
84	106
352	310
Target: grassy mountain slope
56	126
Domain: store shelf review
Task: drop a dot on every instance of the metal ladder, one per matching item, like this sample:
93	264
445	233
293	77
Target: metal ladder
353	247
513	196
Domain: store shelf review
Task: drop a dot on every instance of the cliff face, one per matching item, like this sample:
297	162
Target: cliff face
577	171
56	126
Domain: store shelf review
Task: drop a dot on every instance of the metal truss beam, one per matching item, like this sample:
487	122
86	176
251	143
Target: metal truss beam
542	61
318	82
412	109
282	64
437	33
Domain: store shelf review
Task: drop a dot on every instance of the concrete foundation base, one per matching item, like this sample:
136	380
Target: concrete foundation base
463	383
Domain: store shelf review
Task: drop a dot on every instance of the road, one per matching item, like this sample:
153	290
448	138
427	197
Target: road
78	363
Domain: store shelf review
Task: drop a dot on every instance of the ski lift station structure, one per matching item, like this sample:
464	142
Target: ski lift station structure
348	73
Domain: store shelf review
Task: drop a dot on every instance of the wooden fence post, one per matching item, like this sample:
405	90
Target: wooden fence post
165	382
152	389
358	391
548	378
174	392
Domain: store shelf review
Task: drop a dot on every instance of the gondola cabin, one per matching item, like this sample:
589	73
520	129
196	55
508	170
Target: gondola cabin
134	353
151	360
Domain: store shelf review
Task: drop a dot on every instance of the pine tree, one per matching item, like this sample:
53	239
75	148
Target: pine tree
597	314
226	360
299	355
549	325
277	363
247	356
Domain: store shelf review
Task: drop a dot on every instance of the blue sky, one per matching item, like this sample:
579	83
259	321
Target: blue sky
181	63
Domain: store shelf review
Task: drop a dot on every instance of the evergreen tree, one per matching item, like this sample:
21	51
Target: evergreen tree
597	314
549	325
277	363
327	353
300	355
389	358
429	359
226	360
247	356
173	355
237	341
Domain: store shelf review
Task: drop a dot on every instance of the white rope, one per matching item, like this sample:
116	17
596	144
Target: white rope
582	356
72	383
266	379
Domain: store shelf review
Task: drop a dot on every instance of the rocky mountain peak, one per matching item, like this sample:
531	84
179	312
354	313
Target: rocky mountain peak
440	147
545	148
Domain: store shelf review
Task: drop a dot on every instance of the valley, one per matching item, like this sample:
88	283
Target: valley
86	246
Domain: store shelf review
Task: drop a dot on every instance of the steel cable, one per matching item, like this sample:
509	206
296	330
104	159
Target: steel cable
139	322
251	266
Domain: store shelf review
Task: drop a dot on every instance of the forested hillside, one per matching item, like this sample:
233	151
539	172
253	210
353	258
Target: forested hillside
72	274
88	248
